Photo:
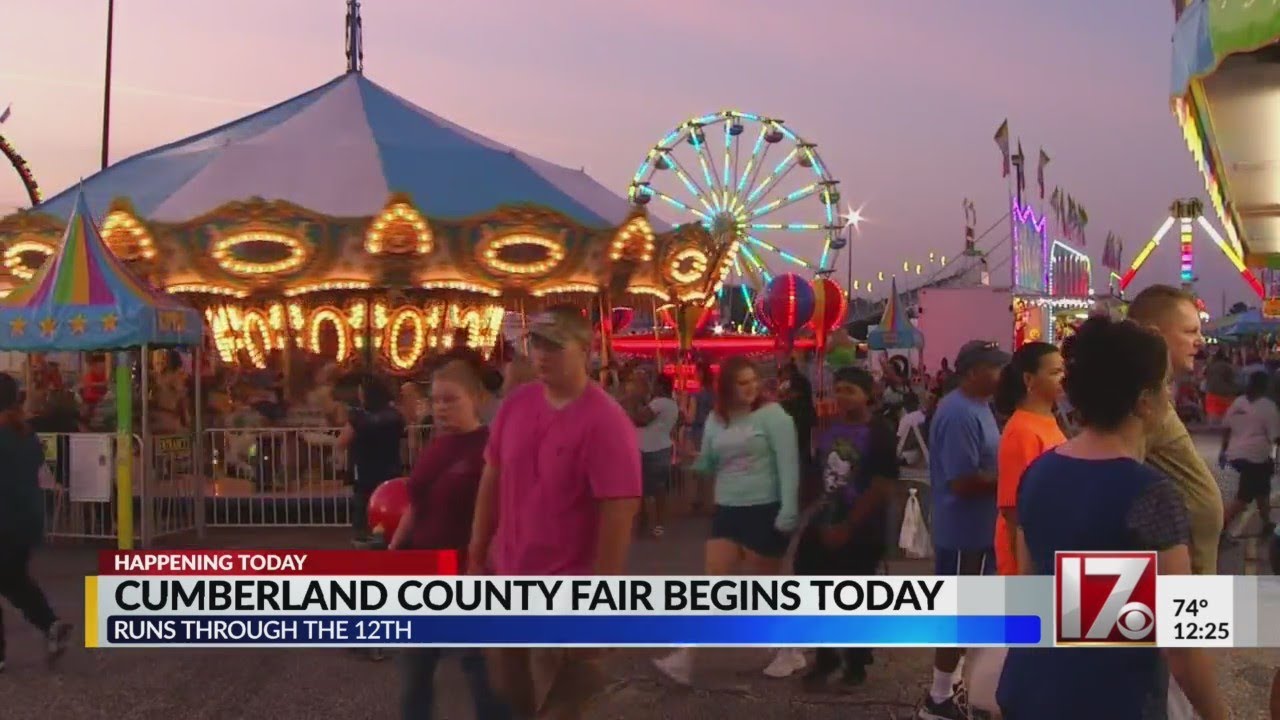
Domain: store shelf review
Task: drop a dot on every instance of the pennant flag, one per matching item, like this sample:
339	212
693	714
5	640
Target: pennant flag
1019	163
1044	160
5	115
1002	141
1108	251
1055	203
1083	222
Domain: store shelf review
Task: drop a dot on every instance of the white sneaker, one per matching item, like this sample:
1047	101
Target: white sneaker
787	662
678	666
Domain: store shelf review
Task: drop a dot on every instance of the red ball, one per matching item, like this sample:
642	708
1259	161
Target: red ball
387	505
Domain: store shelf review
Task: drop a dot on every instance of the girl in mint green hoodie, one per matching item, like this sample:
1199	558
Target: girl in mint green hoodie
750	449
22	522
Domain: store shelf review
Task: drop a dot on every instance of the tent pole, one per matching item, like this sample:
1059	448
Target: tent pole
124	452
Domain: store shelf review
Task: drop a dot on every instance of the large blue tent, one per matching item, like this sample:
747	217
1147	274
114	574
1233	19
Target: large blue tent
341	150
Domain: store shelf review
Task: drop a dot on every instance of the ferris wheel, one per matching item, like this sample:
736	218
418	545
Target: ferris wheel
716	170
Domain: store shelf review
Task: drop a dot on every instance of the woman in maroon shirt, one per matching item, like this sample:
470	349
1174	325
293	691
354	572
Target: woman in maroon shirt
442	499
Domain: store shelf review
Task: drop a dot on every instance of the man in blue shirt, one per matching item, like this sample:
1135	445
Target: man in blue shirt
964	441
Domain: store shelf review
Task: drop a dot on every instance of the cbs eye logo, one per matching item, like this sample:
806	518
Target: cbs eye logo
1105	598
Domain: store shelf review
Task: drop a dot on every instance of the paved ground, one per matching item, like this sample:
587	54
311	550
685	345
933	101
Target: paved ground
288	685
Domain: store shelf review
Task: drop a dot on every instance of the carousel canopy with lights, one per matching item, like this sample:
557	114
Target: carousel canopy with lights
349	218
83	298
1226	72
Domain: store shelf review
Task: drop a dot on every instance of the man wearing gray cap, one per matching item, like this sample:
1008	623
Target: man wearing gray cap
558	497
964	442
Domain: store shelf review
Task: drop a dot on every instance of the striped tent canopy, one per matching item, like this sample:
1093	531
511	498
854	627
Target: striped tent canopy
84	299
895	329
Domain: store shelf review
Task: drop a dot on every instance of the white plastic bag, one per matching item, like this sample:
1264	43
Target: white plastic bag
1179	707
914	539
982	668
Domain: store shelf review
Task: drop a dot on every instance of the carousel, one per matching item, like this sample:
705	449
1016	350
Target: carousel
348	225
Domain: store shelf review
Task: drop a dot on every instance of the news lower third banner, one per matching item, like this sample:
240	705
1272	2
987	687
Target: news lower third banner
386	599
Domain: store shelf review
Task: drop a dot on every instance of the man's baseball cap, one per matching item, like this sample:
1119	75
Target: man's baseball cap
561	326
981	352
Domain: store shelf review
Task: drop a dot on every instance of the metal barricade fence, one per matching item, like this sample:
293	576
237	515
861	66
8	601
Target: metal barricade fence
81	499
171	489
283	476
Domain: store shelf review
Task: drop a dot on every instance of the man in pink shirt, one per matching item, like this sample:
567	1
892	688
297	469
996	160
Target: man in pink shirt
559	496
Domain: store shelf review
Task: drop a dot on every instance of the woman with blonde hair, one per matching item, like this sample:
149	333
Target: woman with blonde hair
442	498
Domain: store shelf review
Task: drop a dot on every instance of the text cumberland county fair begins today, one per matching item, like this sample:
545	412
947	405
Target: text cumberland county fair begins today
359	598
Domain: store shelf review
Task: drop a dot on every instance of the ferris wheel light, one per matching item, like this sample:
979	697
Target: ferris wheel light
852	218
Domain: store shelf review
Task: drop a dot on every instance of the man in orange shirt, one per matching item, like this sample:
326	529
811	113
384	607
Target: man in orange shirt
1029	387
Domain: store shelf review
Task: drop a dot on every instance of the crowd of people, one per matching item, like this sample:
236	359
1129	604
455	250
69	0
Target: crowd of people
540	469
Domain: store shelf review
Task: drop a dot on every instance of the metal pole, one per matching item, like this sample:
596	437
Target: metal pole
144	497
848	251
106	94
197	445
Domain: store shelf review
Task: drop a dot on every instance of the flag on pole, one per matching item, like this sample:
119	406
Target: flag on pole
1082	223
1109	251
5	115
1019	164
1002	141
1055	202
1044	160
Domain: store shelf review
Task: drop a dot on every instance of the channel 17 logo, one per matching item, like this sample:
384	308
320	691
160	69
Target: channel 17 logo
1105	598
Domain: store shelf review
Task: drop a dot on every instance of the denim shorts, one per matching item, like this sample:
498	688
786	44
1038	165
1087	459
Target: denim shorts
750	526
964	562
655	472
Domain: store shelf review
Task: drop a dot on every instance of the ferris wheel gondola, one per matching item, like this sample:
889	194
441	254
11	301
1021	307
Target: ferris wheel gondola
713	170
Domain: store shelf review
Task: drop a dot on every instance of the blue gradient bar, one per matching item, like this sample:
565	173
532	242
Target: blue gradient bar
599	630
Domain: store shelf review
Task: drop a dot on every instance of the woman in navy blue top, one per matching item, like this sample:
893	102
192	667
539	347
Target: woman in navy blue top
1093	494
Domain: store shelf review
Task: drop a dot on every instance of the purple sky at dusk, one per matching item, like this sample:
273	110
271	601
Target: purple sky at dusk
902	98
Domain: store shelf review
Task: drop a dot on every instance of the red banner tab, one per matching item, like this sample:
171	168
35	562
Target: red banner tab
278	562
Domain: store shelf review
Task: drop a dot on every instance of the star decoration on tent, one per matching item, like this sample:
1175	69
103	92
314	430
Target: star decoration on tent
17	326
109	322
48	327
77	325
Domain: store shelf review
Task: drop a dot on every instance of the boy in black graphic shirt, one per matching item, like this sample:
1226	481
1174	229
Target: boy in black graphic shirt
858	463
